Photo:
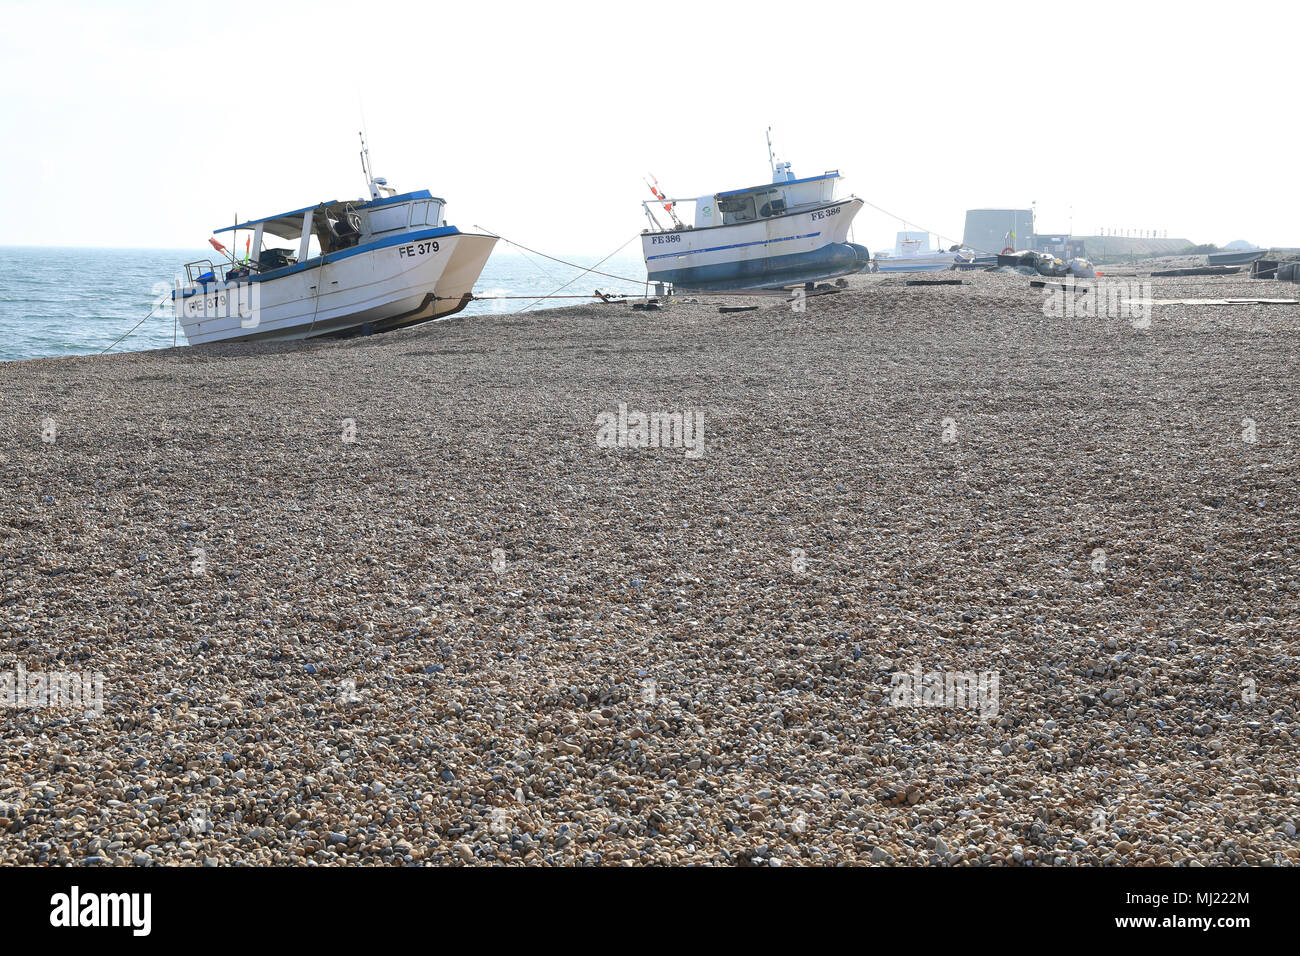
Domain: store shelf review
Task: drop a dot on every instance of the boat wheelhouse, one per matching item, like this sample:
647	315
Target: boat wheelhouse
350	267
787	232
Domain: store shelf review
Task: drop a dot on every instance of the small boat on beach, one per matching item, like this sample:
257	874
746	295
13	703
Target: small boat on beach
787	232
912	253
352	267
1235	257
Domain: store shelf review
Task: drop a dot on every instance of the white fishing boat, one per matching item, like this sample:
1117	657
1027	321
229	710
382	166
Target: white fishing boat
784	233
912	253
350	268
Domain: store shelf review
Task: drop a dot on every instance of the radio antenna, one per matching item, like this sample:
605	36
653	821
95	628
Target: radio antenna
365	158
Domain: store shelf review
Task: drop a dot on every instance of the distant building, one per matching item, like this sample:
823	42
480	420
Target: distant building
991	230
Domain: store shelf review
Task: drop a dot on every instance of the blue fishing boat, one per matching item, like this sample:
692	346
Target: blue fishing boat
787	232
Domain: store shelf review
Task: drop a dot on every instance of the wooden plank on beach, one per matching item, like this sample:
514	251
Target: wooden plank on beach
1200	271
936	281
1057	286
738	308
1222	302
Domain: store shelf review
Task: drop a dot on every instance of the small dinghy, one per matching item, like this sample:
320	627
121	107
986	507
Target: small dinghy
788	232
912	253
349	268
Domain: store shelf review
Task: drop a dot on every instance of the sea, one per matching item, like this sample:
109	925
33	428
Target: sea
65	301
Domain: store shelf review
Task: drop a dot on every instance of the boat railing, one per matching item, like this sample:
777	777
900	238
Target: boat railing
204	271
201	271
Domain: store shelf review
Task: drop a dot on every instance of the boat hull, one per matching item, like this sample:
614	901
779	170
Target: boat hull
768	253
392	286
916	263
1234	258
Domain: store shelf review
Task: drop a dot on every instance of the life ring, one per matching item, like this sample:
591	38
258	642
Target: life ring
1007	251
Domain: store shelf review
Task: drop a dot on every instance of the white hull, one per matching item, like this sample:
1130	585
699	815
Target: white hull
915	263
381	288
765	252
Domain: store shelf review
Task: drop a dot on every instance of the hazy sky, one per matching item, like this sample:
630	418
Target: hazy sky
150	124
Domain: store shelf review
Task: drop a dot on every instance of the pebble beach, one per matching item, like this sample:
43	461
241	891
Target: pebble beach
390	600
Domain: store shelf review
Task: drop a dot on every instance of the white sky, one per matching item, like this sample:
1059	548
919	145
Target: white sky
153	123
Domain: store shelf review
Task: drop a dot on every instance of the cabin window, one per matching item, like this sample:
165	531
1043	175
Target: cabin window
419	212
771	203
737	208
387	218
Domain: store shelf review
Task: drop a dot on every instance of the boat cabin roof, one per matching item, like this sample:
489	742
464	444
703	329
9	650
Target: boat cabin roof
832	174
288	225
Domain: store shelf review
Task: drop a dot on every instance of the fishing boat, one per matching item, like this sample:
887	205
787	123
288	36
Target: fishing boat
352	267
912	253
787	232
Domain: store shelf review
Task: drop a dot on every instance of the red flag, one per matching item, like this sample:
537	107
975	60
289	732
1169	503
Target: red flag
216	245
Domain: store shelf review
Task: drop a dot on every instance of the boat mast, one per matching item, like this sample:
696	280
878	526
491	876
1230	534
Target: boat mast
780	171
365	167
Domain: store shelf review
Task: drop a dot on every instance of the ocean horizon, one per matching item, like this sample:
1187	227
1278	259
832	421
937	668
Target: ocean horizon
67	300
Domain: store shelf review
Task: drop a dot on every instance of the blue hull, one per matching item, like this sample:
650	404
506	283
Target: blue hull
829	262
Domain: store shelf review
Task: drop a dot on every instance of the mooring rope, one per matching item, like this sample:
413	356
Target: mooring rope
133	328
913	222
580	275
677	290
573	265
524	254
